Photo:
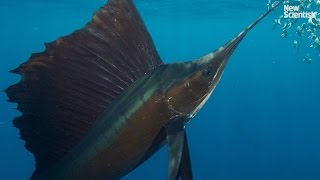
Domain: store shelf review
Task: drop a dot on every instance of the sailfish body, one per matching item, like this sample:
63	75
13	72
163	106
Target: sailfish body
99	102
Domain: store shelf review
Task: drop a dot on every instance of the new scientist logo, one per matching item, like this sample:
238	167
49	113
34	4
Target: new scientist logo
295	12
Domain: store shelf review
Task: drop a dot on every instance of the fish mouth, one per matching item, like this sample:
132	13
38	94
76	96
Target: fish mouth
225	52
217	60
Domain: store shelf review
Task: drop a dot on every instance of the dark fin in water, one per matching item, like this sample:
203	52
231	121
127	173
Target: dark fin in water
66	87
185	170
179	159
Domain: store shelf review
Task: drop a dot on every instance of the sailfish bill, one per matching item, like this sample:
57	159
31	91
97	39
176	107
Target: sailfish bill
99	102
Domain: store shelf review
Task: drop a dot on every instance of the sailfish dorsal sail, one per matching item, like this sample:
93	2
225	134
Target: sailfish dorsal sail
65	88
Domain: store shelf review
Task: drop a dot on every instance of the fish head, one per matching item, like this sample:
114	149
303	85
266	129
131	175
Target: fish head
195	81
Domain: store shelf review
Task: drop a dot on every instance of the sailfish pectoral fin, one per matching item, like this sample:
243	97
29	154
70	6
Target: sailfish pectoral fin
179	160
185	166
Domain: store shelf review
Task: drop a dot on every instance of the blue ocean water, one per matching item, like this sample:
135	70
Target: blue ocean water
262	121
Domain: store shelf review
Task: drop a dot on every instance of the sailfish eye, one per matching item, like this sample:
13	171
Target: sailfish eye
207	72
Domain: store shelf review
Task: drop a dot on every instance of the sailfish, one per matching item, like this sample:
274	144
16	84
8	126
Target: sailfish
99	102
